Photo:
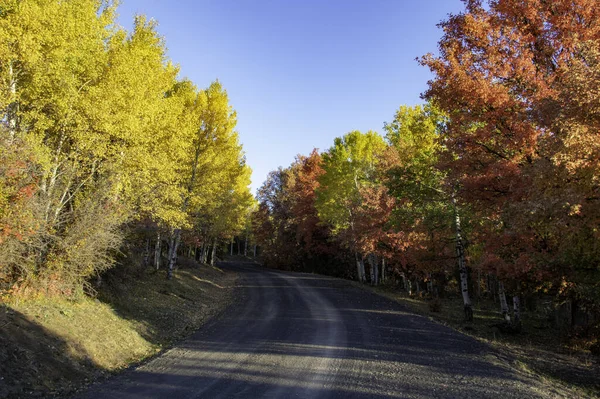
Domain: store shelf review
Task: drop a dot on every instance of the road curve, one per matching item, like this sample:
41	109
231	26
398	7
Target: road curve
293	335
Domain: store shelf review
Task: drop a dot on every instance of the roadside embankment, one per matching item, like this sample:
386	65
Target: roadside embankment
52	346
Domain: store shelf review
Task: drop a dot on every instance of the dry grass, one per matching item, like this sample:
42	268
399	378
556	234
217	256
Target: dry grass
55	345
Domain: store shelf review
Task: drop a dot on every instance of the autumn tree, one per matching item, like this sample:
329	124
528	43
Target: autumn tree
100	136
427	211
516	79
287	226
216	174
349	165
275	233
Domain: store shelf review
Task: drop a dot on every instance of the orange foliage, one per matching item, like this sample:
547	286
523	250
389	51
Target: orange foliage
519	80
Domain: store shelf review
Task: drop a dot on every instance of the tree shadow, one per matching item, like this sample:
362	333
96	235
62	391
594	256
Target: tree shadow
34	361
164	311
293	335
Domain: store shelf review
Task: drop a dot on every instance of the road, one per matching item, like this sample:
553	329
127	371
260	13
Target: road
293	335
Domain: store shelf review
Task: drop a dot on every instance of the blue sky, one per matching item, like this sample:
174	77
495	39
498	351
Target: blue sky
301	72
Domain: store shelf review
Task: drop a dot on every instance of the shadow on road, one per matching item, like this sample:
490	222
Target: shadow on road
295	335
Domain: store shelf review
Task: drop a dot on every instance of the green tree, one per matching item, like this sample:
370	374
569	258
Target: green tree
426	197
350	164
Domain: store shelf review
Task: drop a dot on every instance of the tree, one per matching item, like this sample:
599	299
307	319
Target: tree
273	221
286	223
426	196
51	53
110	140
502	77
216	177
349	165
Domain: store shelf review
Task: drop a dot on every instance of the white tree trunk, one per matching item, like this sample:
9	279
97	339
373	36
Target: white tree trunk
503	303
214	252
157	251
360	268
204	252
462	266
173	252
516	309
363	274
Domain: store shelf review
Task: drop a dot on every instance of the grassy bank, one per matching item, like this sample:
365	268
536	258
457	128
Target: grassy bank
53	346
538	348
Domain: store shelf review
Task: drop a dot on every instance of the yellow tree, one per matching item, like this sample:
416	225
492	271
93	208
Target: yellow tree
51	53
214	150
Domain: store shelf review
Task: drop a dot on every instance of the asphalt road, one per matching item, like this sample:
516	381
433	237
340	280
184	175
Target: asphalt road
294	335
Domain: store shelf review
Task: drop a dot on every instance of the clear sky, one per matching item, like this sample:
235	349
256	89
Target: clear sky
301	72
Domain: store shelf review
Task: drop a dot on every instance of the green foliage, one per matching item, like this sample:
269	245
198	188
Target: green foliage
350	164
414	137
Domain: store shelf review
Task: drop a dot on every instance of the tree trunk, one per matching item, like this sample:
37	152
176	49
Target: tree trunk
204	252
157	251
383	270
373	263
174	245
363	274
462	266
516	309
429	284
214	252
503	304
246	246
376	267
255	250
231	248
239	244
358	270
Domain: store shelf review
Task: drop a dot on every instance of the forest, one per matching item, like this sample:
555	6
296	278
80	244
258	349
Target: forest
123	184
107	156
491	187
